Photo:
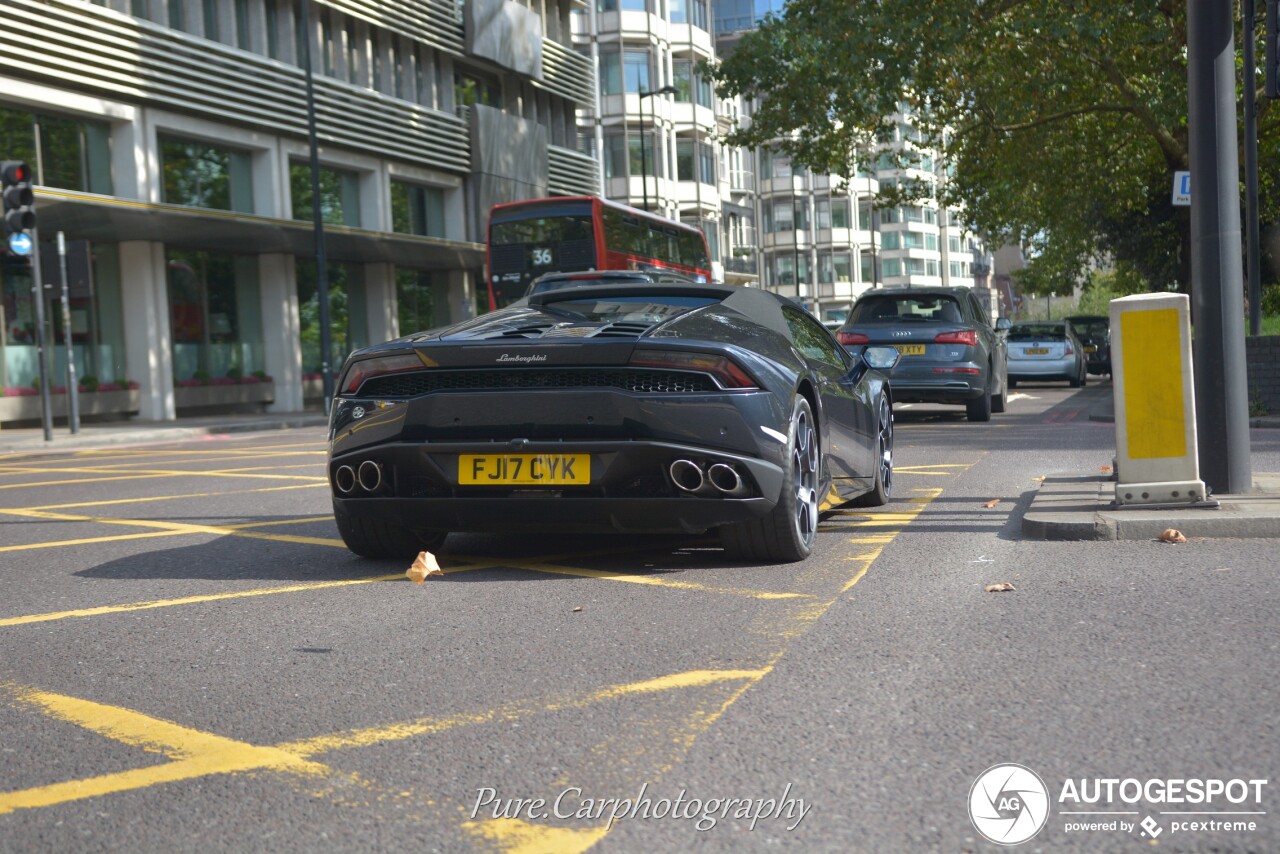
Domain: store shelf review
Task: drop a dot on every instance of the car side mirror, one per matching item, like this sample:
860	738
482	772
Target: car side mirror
1003	324
880	358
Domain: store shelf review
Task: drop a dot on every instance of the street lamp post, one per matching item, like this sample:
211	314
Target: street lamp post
644	160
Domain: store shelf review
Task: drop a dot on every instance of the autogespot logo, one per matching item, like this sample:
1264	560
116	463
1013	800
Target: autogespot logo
1008	804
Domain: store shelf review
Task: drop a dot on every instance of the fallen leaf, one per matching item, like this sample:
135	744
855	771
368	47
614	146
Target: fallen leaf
1002	587
992	503
1039	479
1104	468
577	609
1173	535
425	564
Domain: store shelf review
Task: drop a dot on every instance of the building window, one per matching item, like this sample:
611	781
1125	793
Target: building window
826	269
891	267
610	72
242	24
416	209
783	216
635	70
891	240
273	29
415	301
702	86
615	156
915	267
682	79
140	8
822	209
839	213
842	267
177	21
214	319
645	157
73	154
201	175
348	316
865	268
959	270
209	10
339	194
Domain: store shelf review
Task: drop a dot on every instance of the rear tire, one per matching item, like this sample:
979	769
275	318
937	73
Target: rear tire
882	490
979	409
1077	381
787	533
377	538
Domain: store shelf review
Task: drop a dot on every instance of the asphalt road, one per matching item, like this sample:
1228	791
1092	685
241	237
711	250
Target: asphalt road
191	661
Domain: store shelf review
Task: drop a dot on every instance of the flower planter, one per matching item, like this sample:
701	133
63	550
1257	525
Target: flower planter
224	398
93	404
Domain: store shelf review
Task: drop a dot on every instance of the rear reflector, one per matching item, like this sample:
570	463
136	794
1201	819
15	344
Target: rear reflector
721	367
957	371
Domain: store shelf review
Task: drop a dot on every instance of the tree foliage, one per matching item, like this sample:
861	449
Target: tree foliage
1062	120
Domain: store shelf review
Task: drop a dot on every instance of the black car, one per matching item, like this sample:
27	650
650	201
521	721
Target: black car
634	407
950	351
1094	332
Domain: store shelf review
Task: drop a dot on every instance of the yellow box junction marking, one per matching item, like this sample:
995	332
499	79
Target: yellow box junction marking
198	754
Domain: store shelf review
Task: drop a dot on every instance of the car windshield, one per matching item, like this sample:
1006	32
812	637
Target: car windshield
648	308
897	309
1037	331
1096	329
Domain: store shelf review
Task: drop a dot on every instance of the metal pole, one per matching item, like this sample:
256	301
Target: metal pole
37	292
73	385
1252	270
322	273
875	257
1221	386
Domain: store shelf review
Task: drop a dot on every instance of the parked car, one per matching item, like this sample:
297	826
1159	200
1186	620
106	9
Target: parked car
1094	332
554	281
637	406
950	351
1045	350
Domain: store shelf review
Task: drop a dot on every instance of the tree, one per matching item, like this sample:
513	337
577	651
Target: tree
1062	122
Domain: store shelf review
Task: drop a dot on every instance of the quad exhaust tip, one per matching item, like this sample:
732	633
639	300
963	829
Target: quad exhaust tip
367	476
370	476
687	476
726	479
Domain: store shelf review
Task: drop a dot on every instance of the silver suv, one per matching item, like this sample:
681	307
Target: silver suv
950	352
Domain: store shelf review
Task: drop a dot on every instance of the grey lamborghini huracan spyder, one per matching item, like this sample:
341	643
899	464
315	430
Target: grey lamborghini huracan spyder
618	407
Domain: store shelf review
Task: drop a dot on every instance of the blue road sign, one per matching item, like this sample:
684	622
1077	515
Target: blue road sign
20	244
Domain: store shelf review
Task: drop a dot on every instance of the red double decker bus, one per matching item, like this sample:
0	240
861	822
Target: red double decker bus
567	234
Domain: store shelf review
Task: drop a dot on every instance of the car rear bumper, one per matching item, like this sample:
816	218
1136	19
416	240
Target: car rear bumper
938	382
1043	369
631	488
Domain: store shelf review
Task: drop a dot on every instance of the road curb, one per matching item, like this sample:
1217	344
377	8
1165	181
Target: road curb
1077	507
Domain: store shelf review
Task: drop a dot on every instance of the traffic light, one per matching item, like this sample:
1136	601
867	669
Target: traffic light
1271	56
19	201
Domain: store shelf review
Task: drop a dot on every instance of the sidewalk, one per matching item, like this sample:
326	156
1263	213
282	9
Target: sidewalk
1078	507
30	440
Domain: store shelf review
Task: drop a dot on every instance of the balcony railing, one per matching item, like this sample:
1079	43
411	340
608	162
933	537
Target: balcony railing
740	180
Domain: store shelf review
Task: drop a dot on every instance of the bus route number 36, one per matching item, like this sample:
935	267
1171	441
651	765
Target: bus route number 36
542	257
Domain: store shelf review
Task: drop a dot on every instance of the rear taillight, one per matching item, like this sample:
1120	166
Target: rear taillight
961	336
852	338
1070	351
721	367
380	366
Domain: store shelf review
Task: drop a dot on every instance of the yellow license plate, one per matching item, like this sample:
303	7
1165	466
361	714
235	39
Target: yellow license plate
1037	351
1091	349
524	469
911	349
